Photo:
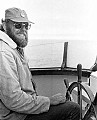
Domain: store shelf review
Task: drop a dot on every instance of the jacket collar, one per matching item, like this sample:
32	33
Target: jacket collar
7	39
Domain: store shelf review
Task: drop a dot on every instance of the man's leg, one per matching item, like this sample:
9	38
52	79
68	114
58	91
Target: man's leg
66	111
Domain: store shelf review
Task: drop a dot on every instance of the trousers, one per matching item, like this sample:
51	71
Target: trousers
65	111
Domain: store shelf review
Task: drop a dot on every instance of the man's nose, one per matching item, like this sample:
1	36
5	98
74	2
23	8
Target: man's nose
24	28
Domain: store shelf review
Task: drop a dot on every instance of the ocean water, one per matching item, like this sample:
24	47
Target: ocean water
49	53
45	53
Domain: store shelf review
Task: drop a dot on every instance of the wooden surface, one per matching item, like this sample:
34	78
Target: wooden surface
59	71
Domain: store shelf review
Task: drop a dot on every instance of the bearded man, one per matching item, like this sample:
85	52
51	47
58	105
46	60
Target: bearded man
18	96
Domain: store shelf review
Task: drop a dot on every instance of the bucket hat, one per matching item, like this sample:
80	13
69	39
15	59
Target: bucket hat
17	15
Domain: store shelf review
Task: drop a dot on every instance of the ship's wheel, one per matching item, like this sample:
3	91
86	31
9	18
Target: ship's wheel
81	93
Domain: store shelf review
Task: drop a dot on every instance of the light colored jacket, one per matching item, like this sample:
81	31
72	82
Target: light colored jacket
17	96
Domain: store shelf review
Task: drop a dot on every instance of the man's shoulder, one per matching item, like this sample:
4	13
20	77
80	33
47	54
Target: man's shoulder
4	47
7	39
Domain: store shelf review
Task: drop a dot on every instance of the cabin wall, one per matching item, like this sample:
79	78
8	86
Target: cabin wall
49	85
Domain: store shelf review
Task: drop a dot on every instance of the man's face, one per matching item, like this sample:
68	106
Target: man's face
18	32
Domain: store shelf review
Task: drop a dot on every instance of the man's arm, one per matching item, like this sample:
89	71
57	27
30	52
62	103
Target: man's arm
11	93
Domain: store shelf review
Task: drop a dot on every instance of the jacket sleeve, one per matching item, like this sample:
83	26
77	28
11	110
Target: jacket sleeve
11	94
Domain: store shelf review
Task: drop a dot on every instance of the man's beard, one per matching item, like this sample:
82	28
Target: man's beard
20	38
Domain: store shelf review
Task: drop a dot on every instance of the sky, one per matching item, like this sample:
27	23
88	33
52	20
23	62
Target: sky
58	19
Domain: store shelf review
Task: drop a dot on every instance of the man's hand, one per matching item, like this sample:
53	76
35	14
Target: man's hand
57	99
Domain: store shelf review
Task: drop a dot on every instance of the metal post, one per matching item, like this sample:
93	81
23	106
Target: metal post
79	73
